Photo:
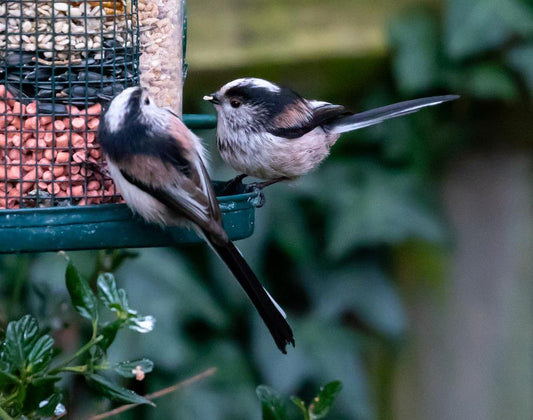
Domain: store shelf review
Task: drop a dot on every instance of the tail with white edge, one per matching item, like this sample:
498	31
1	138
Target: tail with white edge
377	115
268	309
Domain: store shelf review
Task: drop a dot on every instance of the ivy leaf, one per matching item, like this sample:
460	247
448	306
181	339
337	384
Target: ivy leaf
322	403
521	59
83	298
416	59
271	402
467	23
114	391
377	207
489	81
128	369
24	349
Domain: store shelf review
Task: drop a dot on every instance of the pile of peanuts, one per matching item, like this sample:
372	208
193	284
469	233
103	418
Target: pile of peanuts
161	61
78	28
46	161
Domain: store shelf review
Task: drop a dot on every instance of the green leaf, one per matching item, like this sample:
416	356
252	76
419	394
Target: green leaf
114	391
521	59
83	298
24	349
127	369
5	374
113	298
41	353
415	40
165	284
374	206
473	27
271	402
109	332
51	406
38	391
298	402
322	403
364	289
489	82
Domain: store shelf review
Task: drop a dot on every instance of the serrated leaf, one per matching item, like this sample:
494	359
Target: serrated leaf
115	299
129	369
271	403
81	295
322	403
114	391
24	348
41	353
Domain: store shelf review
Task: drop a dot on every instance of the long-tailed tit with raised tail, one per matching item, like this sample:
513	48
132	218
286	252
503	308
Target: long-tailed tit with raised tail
159	167
272	133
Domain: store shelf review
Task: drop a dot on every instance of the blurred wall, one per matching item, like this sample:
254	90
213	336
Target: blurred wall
471	354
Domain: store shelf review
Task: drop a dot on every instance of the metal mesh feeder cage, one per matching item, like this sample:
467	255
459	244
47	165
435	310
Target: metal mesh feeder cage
57	60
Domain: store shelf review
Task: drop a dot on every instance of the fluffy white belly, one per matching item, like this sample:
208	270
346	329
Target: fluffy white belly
140	202
268	157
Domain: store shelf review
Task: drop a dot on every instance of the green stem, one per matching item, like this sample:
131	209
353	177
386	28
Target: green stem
12	377
10	398
4	415
76	369
82	350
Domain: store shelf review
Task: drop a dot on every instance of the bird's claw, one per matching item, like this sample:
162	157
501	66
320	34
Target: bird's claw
234	186
259	197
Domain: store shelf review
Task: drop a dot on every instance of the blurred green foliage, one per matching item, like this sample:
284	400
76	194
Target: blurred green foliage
274	406
326	246
29	365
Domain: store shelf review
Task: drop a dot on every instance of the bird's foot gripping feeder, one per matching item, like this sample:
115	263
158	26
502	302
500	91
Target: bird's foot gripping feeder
57	60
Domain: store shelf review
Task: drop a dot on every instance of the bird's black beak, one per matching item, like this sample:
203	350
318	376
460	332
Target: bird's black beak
212	98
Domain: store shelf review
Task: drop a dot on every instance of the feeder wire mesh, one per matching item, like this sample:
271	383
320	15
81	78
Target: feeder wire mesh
57	59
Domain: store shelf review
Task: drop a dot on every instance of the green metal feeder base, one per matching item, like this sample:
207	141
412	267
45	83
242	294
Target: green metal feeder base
109	226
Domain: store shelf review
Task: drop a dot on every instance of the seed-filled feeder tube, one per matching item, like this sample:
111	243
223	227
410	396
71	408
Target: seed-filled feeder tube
161	47
57	60
60	62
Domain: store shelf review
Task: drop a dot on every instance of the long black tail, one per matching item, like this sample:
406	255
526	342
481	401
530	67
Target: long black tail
269	311
377	115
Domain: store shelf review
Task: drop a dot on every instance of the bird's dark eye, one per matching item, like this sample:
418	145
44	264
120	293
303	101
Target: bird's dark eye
235	103
147	101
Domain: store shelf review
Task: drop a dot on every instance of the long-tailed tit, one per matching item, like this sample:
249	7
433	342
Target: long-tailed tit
159	167
272	133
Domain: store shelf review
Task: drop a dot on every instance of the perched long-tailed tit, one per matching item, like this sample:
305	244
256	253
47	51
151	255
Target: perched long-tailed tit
159	167
272	133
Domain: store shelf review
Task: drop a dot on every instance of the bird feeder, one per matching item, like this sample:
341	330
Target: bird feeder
58	59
